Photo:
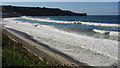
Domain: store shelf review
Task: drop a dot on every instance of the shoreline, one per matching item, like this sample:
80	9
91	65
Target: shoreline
45	45
81	48
28	37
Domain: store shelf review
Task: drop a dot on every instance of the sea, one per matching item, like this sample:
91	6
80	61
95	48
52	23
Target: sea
97	31
92	40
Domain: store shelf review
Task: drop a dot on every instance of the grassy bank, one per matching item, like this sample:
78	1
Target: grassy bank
13	54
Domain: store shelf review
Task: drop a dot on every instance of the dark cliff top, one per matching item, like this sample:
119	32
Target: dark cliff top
13	11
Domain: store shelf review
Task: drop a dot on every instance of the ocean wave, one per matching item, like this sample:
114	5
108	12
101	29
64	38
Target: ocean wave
71	22
114	33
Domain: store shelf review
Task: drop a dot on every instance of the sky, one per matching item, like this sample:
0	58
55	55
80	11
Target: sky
91	8
59	0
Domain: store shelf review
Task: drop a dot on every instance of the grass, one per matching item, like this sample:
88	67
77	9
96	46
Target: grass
13	54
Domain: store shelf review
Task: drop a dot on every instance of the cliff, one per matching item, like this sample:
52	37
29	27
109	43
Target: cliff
14	11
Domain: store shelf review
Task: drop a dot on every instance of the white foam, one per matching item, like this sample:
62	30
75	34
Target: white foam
114	33
71	22
93	51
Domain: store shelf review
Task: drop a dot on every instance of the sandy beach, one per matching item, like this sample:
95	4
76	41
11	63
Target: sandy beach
85	49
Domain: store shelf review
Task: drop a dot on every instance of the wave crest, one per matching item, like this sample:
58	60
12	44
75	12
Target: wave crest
71	22
114	33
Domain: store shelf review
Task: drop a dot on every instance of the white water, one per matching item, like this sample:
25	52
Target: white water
72	22
93	51
114	33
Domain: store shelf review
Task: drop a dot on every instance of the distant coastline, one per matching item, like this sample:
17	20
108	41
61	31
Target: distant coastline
16	11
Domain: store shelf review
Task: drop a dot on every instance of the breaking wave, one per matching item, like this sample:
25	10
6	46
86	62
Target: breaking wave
71	22
114	33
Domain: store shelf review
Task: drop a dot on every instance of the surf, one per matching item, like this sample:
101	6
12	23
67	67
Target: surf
71	22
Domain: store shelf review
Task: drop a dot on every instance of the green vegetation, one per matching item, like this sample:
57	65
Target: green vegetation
13	54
